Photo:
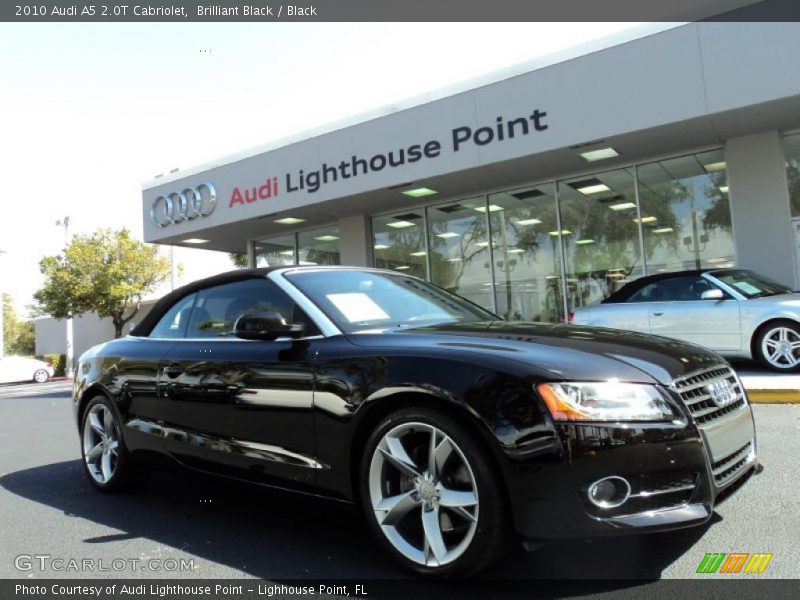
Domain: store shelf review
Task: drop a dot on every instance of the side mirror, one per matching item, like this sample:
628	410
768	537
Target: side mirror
266	326
713	294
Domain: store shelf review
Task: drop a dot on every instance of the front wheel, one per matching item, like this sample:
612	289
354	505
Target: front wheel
41	376
105	457
432	494
778	346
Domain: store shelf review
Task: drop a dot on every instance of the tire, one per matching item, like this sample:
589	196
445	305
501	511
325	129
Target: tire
41	376
464	501
777	346
106	460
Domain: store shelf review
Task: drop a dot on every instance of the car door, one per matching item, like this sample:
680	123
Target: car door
6	370
236	406
682	313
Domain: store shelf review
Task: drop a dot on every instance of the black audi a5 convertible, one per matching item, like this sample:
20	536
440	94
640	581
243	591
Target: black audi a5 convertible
454	431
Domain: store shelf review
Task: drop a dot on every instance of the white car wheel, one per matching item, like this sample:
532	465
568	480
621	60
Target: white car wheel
41	376
779	346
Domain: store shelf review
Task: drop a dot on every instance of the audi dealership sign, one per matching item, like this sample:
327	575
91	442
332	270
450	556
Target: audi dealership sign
186	205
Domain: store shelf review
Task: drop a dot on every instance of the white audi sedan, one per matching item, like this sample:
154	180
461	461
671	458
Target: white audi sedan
19	368
735	312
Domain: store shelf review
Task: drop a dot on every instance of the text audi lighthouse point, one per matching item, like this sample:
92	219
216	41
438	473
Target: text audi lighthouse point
536	191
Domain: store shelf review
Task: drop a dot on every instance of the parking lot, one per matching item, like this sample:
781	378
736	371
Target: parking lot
226	530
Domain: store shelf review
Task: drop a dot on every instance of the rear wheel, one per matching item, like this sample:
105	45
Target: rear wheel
778	345
41	376
432	495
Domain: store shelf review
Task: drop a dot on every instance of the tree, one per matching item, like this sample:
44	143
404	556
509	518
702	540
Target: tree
239	259
107	272
18	336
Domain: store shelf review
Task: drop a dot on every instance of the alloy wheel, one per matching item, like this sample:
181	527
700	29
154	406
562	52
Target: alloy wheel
40	376
424	494
100	443
781	347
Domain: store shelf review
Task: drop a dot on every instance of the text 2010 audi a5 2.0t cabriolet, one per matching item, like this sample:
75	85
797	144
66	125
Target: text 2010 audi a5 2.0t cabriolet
454	431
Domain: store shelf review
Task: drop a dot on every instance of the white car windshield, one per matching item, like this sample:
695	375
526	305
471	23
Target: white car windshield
360	300
749	284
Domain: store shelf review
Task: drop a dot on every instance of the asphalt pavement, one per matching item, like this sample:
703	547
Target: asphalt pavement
223	529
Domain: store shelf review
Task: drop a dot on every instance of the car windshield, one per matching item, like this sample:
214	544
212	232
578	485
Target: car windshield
749	284
361	300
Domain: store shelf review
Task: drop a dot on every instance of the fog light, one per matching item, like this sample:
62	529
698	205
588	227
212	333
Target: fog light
609	492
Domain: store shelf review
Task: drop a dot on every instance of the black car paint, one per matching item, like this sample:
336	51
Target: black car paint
243	408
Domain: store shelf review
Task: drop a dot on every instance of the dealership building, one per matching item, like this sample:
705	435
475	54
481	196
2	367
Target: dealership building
538	189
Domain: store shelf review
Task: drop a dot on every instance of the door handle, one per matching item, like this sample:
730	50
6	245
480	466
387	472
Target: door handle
173	371
657	314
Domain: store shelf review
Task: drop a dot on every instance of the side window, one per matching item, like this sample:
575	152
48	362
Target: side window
648	293
682	289
218	308
173	323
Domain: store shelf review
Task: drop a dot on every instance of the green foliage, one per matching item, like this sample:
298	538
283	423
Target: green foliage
59	362
107	272
18	335
239	259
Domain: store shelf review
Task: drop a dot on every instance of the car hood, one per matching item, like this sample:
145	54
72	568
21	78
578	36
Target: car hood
567	352
790	301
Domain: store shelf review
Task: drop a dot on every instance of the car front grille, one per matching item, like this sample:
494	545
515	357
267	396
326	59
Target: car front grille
693	390
729	467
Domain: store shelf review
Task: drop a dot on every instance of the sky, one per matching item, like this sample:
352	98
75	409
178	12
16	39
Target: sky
90	111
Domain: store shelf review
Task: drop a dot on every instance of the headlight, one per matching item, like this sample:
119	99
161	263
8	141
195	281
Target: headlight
606	401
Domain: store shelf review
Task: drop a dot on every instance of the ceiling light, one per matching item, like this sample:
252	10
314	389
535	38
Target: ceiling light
420	192
195	241
622	206
448	234
402	268
421	253
716	260
516	251
326	238
646	220
723	189
600	154
286	252
289	221
456	259
563	232
381	246
663	230
485	244
714	167
528	222
492	208
401	224
583	242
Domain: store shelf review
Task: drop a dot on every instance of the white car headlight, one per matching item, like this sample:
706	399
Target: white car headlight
605	401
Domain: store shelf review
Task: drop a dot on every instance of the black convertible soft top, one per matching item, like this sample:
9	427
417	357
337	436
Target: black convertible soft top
627	290
162	306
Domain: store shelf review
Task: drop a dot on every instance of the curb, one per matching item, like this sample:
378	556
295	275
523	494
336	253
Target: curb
773	396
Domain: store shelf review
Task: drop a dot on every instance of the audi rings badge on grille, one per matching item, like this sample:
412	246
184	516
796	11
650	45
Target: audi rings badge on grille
186	205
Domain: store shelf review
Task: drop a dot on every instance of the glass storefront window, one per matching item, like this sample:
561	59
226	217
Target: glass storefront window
275	251
600	234
526	255
319	246
791	145
459	246
399	243
686	217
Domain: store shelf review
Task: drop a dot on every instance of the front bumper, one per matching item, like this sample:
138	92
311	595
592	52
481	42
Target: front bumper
677	473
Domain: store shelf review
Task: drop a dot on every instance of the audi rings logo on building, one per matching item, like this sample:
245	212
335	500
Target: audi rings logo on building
186	205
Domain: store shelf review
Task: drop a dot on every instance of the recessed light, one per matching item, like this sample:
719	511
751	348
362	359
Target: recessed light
401	224
195	241
723	189
456	259
524	222
714	167
420	192
716	260
599	154
326	238
622	206
448	234
402	268
422	253
484	244
289	221
584	242
646	220
382	246
563	232
589	186
516	251
492	208
286	252
663	230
